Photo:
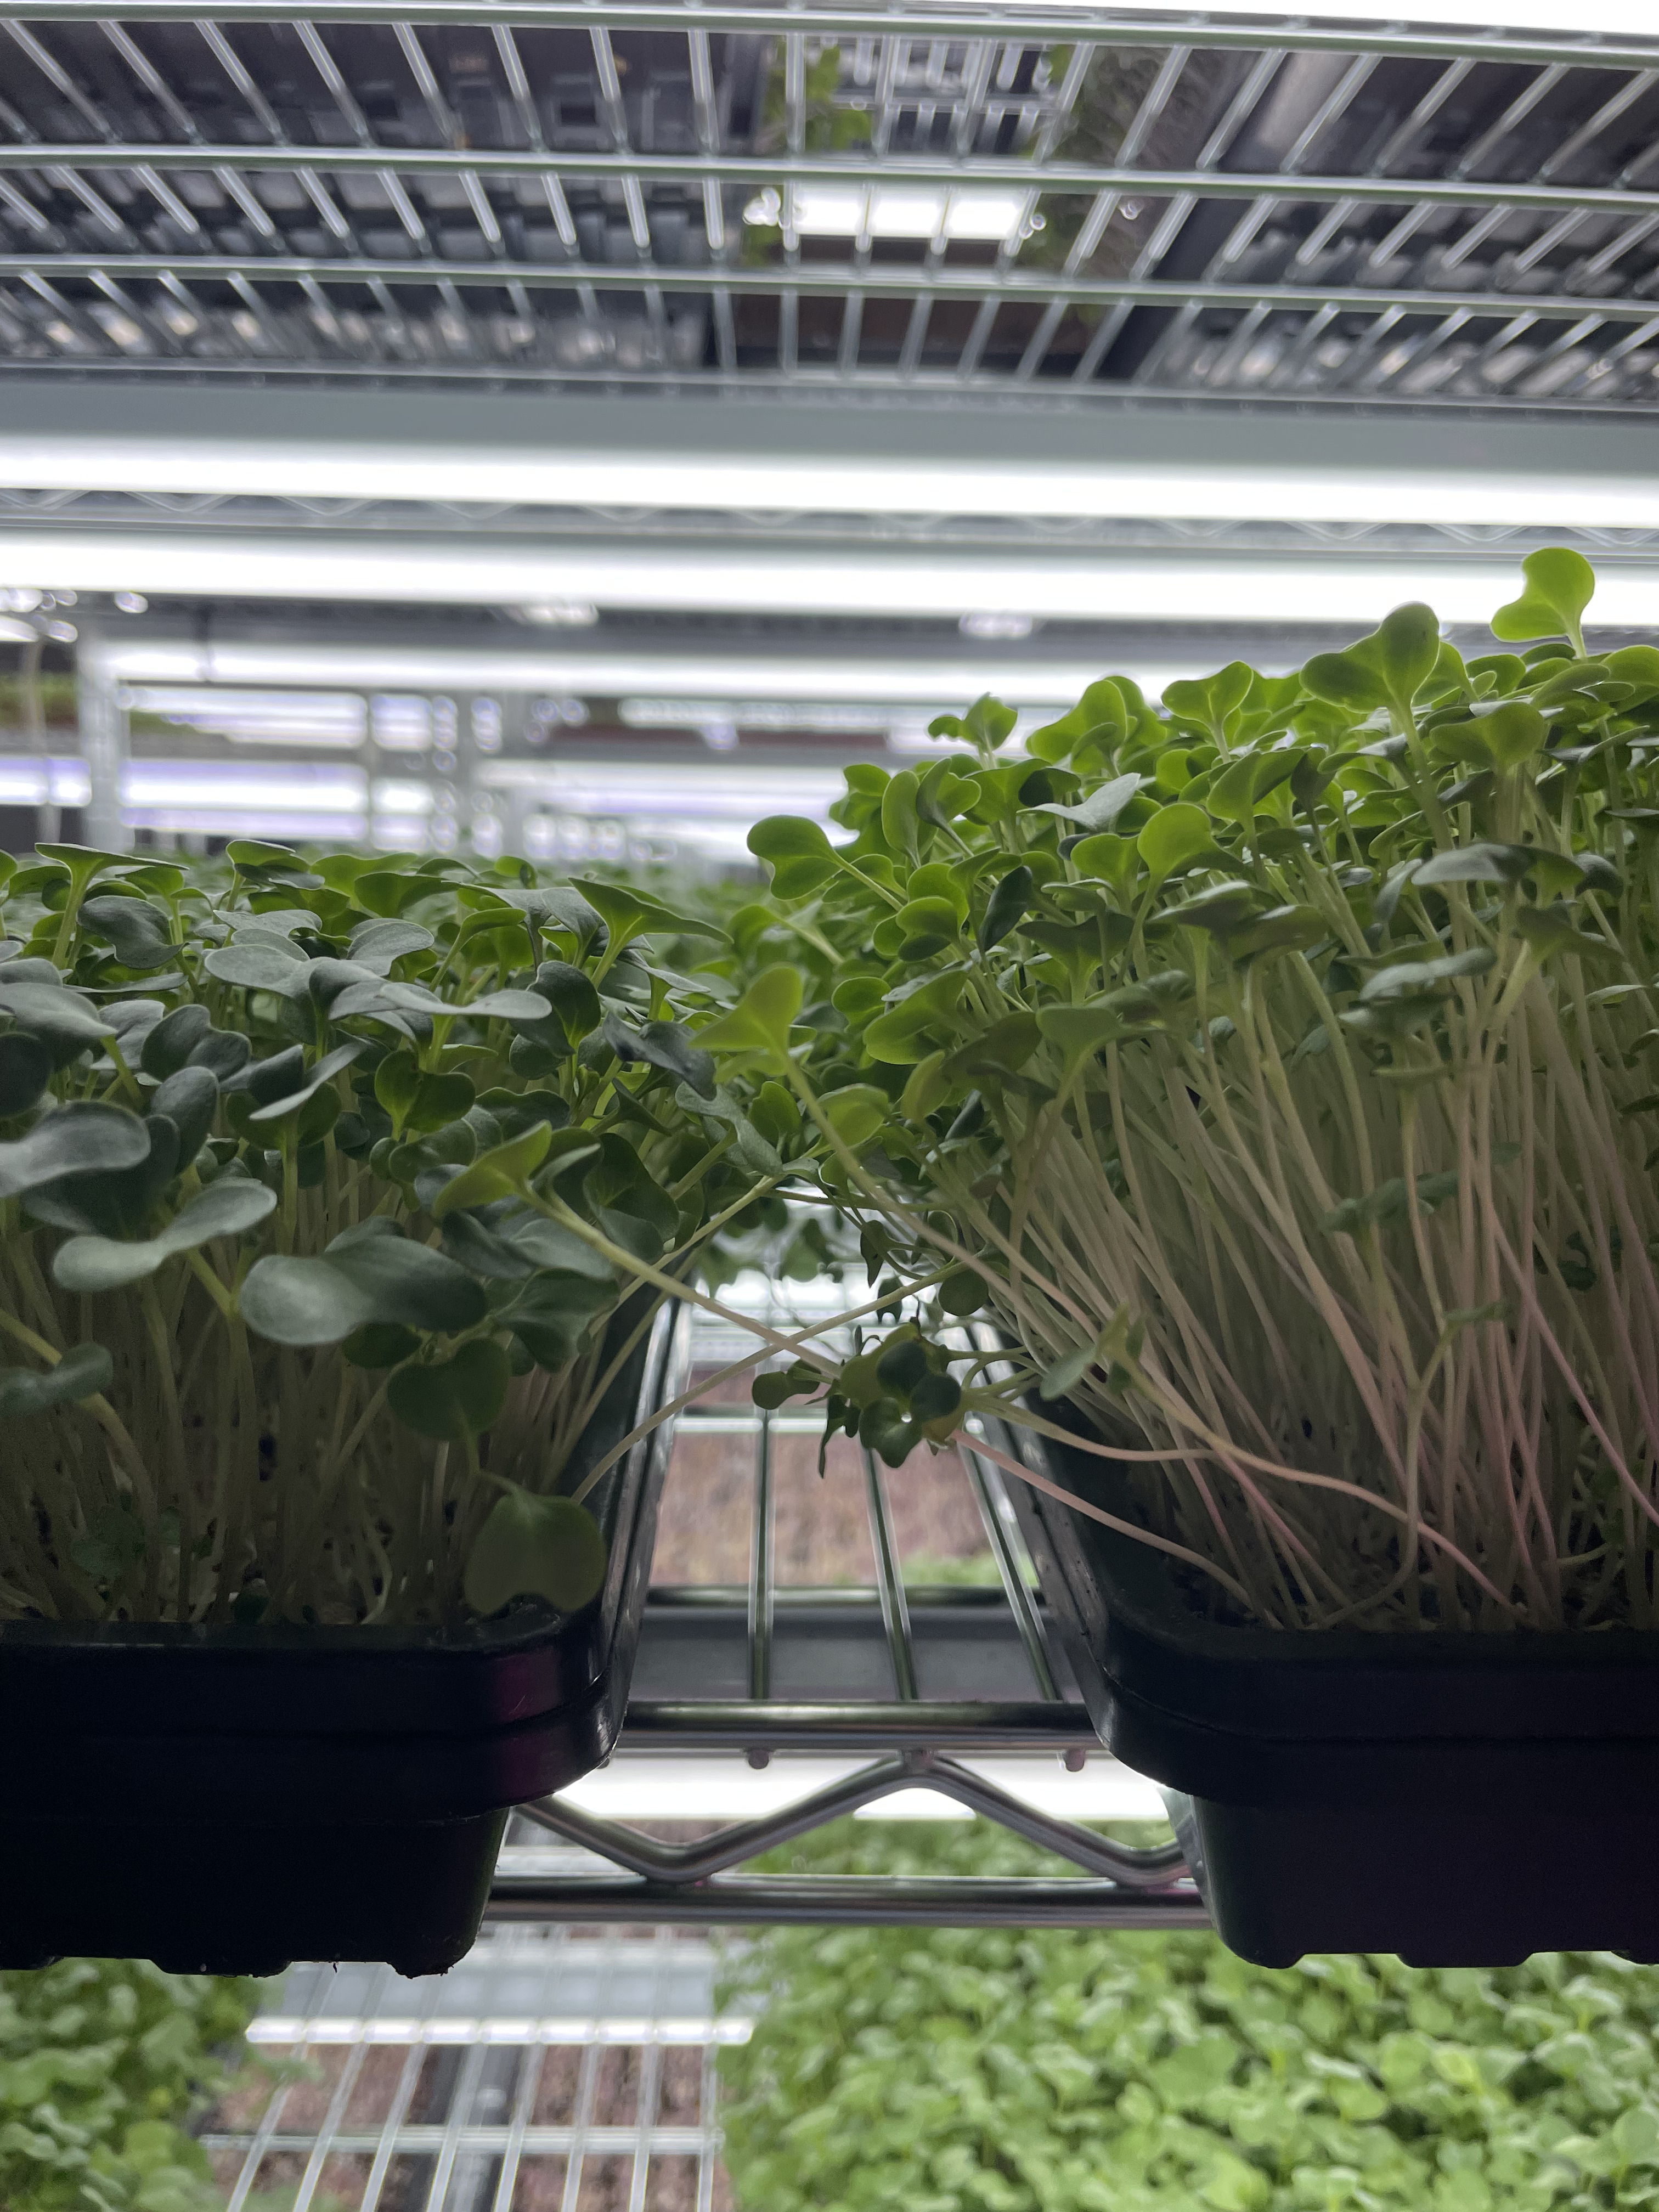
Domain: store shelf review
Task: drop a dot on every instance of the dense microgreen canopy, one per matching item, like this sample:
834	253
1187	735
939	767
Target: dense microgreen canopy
108	2067
1022	2069
334	1194
1275	1066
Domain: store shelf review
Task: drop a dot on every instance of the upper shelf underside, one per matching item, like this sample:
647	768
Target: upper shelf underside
1074	204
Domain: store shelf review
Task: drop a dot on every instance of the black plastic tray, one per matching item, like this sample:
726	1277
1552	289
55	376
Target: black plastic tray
1460	1799
226	1801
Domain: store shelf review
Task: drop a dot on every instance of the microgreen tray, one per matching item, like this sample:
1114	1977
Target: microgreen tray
1462	1799
229	1800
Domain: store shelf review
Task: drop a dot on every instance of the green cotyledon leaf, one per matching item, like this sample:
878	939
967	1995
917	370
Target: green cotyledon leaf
798	853
1388	668
856	1111
81	1373
546	1548
228	1207
498	1173
63	1021
763	1018
454	1398
83	1137
1560	584
1007	907
372	1274
139	931
1178	837
26	1068
627	913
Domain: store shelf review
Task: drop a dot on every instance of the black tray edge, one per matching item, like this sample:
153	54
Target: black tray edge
1139	1649
328	1727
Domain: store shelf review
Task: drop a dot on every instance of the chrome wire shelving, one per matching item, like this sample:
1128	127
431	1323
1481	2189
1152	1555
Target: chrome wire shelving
461	521
1091	204
569	2062
553	2071
866	1689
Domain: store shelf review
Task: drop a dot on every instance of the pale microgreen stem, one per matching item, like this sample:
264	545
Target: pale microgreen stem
983	1447
589	1401
1181	1419
127	1079
172	1431
555	1209
101	1410
438	1480
287	1216
694	1175
32	1285
205	1275
796	1343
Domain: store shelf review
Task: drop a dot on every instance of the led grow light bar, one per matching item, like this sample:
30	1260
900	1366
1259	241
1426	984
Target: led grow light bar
319	719
871	582
704	809
1084	484
874	681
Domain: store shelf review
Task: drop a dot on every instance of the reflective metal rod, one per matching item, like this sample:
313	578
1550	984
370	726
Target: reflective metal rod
853	169
739	1421
760	1565
841	1901
732	1599
720	1724
889	1582
729	1846
929	382
825	277
1140	1867
987	1481
417	2140
1034	26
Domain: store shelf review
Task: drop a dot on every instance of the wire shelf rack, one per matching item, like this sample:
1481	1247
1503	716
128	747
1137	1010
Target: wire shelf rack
1290	536
905	1683
568	2064
555	2070
1086	204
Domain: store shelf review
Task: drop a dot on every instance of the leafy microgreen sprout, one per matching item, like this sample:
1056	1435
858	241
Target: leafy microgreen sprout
1272	1071
334	1197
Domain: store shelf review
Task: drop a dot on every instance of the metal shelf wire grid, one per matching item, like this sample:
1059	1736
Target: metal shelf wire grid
999	199
908	1681
568	2064
498	519
552	2071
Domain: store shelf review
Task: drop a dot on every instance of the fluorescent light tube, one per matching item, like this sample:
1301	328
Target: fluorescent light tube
37	783
763	579
314	720
874	682
847	483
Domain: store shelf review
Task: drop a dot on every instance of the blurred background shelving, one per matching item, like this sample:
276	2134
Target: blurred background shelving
589	429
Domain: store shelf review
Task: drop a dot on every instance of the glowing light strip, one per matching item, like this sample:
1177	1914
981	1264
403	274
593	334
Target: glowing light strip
924	686
847	484
871	582
709	807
